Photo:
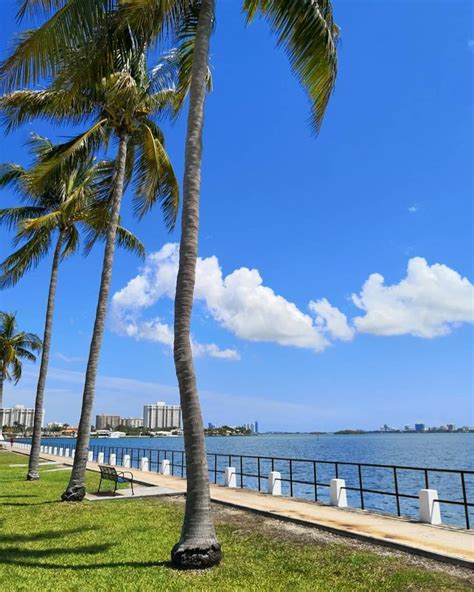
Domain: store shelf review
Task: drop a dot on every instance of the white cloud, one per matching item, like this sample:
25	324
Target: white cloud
67	359
429	302
239	302
413	209
331	320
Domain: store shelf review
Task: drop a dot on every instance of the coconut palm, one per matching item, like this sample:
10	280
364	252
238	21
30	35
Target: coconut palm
122	105
14	347
308	32
72	198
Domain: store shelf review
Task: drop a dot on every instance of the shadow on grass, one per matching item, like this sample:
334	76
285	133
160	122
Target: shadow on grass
19	555
15	504
15	496
88	566
42	536
32	558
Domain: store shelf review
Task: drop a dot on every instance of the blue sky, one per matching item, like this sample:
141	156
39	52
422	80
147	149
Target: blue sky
388	180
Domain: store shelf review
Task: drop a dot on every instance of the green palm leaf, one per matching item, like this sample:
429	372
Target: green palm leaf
307	30
154	178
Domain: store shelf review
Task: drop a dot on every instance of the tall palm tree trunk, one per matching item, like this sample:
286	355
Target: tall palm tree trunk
76	489
33	465
198	546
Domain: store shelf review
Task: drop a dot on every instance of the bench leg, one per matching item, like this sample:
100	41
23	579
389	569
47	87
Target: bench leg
100	483
115	488
131	483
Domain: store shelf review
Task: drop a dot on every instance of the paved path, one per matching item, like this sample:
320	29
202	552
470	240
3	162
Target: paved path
439	542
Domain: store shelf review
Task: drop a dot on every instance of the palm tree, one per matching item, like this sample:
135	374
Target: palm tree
68	201
14	347
310	37
307	30
123	105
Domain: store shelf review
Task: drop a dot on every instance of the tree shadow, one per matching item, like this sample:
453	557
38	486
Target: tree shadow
42	536
19	555
15	504
14	496
86	566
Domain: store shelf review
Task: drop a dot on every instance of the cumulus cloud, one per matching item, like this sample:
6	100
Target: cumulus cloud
413	209
331	320
429	302
239	302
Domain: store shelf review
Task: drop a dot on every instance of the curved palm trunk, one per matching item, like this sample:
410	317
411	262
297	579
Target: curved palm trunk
76	489
198	546
33	473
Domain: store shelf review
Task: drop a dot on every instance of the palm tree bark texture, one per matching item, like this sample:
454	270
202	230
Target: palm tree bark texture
33	473
76	490
198	546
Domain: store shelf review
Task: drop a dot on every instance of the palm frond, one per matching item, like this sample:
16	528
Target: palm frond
39	53
127	240
12	216
155	179
11	174
78	149
72	242
25	258
54	105
307	30
22	352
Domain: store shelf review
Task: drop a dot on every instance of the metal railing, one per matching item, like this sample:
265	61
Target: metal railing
391	489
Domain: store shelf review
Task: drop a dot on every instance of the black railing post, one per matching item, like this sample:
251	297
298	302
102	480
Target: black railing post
291	478
241	472
397	497
361	488
258	472
315	478
464	496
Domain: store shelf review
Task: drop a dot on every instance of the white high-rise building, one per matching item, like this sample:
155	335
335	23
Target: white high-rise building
18	416
160	415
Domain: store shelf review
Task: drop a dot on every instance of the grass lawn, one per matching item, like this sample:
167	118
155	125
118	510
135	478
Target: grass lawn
49	545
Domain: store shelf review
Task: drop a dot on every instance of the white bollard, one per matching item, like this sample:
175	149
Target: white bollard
274	483
100	458
73	453
126	461
113	460
50	450
230	479
67	452
430	511
145	464
61	452
55	451
337	493
90	456
165	467
41	448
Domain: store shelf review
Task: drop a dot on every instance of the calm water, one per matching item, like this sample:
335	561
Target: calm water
451	451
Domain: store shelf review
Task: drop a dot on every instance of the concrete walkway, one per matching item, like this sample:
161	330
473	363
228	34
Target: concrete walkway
439	542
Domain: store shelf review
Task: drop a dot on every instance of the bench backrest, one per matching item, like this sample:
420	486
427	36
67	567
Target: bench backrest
108	472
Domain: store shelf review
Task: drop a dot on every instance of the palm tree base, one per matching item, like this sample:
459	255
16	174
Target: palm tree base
194	555
32	476
74	494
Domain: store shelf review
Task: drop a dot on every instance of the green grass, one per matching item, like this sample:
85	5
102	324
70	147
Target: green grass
124	545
